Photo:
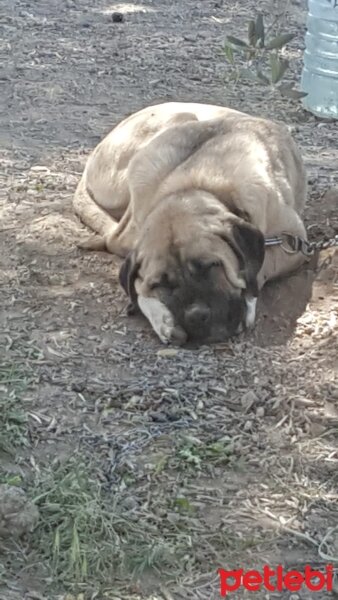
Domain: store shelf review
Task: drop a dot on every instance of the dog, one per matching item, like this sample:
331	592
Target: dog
185	194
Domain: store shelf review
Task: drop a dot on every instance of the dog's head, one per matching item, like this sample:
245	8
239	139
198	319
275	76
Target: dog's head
200	261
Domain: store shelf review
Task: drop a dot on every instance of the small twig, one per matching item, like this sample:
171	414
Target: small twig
307	538
166	594
322	554
279	19
4	229
303	536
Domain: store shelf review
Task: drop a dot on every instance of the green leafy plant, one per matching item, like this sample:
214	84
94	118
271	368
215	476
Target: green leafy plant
193	452
262	58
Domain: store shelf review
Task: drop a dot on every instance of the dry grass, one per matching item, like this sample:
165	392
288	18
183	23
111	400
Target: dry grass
14	418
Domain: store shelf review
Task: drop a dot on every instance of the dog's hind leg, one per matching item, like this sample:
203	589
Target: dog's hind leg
95	217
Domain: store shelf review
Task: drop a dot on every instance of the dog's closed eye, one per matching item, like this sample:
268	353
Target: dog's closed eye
205	264
162	282
154	285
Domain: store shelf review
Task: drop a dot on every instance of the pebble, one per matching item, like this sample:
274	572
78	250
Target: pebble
331	194
39	169
248	399
334	393
130	503
248	426
18	515
117	17
260	412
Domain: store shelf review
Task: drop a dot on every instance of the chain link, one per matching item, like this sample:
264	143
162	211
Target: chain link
293	244
324	244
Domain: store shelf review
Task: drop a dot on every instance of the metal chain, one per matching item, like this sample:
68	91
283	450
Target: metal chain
324	244
293	244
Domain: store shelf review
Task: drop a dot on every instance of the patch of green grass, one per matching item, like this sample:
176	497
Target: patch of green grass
182	505
193	452
86	535
11	479
13	419
13	426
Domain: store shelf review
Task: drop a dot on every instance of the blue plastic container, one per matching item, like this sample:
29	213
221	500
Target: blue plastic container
320	72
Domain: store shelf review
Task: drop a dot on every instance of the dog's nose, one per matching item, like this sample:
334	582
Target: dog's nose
197	315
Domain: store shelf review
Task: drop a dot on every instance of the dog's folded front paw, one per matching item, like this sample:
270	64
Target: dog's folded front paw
114	244
162	320
250	318
94	242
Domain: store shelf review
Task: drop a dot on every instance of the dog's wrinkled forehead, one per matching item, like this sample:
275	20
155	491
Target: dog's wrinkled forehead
157	266
178	269
200	285
192	260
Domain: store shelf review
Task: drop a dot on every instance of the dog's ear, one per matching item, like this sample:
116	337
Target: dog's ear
127	275
248	244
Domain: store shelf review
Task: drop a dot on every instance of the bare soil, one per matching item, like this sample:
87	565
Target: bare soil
100	385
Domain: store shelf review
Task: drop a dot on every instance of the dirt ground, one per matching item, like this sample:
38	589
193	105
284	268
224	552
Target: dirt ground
221	456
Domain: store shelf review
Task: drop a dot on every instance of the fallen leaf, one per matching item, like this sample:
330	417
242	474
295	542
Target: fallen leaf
167	352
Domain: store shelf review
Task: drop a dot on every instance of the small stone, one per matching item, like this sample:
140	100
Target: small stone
317	429
331	195
158	417
18	515
117	17
77	387
189	37
133	401
173	518
260	412
248	399
130	503
173	415
334	392
40	169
